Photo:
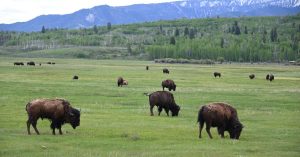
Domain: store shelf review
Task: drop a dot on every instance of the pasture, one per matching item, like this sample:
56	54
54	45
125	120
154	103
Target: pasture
116	122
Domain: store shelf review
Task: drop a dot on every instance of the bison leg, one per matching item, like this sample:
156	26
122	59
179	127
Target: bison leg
208	125
163	88
28	126
159	110
201	124
170	88
167	111
60	132
151	110
221	131
34	126
53	128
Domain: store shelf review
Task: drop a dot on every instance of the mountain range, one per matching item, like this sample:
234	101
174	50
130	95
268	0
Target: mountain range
190	9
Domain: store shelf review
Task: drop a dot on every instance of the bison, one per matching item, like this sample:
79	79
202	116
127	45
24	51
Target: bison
168	84
270	77
75	77
18	63
31	63
166	71
251	76
163	100
220	115
147	67
58	111
217	74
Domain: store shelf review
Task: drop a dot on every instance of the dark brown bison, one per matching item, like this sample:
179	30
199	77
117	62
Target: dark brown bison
217	74
168	84
75	77
222	116
163	100
31	63
18	63
120	81
251	76
147	67
166	71
48	62
58	111
271	78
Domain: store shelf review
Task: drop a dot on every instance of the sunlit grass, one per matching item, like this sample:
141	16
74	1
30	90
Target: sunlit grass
117	122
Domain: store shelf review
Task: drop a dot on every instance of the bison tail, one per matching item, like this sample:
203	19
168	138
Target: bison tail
26	107
200	115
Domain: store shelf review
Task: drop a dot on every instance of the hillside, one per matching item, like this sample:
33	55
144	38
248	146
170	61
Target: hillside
139	13
249	39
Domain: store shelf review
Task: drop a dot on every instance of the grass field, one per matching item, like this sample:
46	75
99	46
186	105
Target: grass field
116	121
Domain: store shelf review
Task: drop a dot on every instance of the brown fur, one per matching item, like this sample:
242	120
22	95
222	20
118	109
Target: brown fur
220	115
58	111
170	84
163	100
120	81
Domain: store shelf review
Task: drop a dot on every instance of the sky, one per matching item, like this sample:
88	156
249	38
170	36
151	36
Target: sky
12	11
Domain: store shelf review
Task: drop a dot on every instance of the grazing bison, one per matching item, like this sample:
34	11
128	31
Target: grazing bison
120	81
163	100
168	84
147	67
58	111
48	62
222	116
270	77
53	63
18	63
75	77
217	74
31	63
166	71
251	76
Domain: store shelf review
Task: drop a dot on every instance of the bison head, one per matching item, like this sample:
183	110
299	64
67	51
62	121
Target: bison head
175	110
74	117
236	130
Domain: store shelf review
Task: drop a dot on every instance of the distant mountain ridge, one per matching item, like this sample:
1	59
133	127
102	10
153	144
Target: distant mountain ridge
101	15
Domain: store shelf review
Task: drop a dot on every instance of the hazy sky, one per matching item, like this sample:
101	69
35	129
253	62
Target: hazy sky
23	10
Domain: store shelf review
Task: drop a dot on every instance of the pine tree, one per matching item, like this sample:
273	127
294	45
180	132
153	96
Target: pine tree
246	30
176	32
172	41
43	29
186	31
273	35
95	29
192	34
222	42
108	26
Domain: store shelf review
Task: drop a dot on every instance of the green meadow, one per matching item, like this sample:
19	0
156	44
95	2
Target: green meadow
116	121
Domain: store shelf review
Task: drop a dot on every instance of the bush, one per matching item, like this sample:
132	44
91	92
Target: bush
184	61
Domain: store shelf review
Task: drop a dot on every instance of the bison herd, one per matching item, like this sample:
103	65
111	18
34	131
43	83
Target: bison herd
31	63
218	114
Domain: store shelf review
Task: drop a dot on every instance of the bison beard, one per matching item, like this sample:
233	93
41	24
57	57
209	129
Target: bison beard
222	116
163	100
58	111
